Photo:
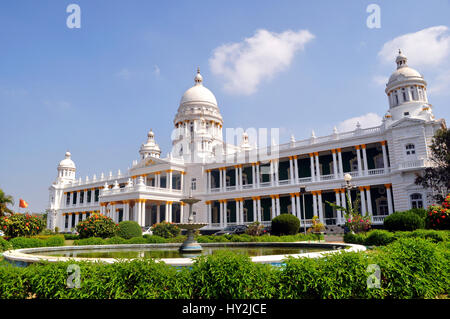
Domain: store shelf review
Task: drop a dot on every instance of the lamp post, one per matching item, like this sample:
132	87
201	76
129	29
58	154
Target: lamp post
302	191
348	186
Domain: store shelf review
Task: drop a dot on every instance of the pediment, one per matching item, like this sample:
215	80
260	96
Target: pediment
406	121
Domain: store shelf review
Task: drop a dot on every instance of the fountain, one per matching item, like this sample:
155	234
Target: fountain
190	245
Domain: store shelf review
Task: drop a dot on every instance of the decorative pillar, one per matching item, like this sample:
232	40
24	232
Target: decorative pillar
169	179
277	200
208	181
259	212
369	202
241	179
319	202
272	183
363	201
316	154
291	170
366	167
241	210
253	175
273	209
338	202
314	203
169	211
77	219
293	205
343	199
298	209
258	175
358	156
225	219
236	176
389	198
313	173
126	210
295	169
238	215
335	166
182	180
385	158
69	224
255	215
221	213
158	212
341	166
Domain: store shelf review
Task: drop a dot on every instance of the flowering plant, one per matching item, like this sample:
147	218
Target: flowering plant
166	229
17	225
316	226
97	225
354	220
438	217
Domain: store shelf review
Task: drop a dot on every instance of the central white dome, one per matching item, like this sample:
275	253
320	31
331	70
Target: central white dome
198	93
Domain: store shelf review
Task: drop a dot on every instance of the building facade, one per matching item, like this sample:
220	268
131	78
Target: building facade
243	183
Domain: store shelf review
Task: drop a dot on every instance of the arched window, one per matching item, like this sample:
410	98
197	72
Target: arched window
416	200
410	149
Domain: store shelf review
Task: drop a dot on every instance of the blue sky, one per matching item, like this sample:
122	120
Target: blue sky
97	90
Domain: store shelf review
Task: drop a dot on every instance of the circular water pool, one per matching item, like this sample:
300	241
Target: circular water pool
272	253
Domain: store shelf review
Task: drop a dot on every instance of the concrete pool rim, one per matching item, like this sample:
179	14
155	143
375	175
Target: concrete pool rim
26	256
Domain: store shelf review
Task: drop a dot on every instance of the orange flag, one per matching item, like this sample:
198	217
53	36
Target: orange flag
23	203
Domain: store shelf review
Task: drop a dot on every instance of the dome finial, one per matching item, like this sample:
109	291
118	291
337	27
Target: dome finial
401	60
198	77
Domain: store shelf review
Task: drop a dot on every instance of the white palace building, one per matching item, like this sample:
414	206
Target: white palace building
240	184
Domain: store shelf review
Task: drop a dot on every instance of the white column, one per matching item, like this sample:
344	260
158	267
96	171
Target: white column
366	168
69	224
273	208
221	180
225	219
241	210
313	171
363	201
385	159
299	209
236	176
258	209
158	213
341	167
253	176
221	213
182	213
241	179
238	214
78	198
277	177
295	169
182	180
113	214
389	198
369	202
335	166
126	210
319	202
343	200
272	169
291	170
168	212
317	167
169	179
258	175
137	212
143	212
315	204
358	157
277	200
255	215
338	211
293	205
209	212
208	181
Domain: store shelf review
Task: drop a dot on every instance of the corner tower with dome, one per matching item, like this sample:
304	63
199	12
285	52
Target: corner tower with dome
297	177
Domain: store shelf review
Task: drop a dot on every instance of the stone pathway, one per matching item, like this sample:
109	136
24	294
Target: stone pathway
334	238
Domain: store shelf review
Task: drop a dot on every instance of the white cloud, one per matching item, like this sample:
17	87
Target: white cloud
124	74
427	47
366	121
243	65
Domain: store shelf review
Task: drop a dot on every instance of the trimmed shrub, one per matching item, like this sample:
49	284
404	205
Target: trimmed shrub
137	240
54	241
403	221
89	241
71	237
129	229
285	224
225	275
166	230
18	225
351	238
97	225
433	235
4	244
154	239
413	268
116	240
25	242
379	238
421	212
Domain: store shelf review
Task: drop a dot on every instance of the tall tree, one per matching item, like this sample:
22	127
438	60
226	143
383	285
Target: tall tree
437	177
5	200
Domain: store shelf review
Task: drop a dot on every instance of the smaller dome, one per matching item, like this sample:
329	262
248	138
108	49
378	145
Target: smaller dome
150	147
67	162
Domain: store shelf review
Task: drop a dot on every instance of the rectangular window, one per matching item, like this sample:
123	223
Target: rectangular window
97	193
74	201
81	197
68	199
66	221
194	184
88	196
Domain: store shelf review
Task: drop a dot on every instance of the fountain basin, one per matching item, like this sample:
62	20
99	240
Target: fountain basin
26	256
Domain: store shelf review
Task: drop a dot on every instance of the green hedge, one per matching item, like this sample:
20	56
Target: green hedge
4	244
285	224
383	237
404	221
129	229
410	268
31	242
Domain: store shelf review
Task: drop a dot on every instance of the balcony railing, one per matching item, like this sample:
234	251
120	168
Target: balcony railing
413	164
140	188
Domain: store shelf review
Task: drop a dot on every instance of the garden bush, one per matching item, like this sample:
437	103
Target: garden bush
433	235
379	238
18	225
71	237
90	241
137	240
359	239
438	217
116	240
32	242
54	241
4	244
403	221
285	224
154	239
129	229
97	225
166	229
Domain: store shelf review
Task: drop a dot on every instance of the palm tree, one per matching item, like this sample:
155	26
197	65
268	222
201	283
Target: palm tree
5	200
